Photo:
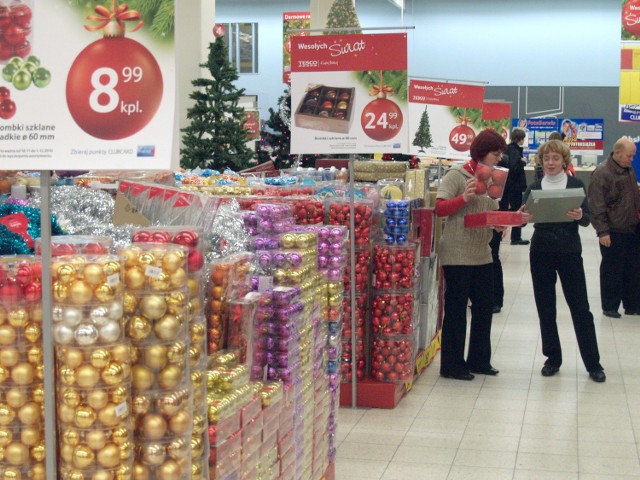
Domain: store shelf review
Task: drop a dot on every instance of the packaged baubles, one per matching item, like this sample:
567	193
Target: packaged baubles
394	266
188	236
77	244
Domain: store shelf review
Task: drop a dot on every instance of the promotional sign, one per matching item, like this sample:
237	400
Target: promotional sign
252	124
583	135
96	91
497	115
444	118
629	103
348	94
292	21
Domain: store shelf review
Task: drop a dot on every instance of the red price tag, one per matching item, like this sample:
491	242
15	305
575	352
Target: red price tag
381	119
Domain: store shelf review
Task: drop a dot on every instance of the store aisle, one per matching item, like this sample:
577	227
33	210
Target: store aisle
518	425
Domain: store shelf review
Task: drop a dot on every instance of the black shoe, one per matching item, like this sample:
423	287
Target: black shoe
520	242
632	312
497	308
549	370
486	371
598	376
458	376
611	313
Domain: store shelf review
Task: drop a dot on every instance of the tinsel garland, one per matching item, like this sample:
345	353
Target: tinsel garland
13	244
228	234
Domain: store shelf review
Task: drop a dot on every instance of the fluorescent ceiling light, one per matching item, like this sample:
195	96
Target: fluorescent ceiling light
397	3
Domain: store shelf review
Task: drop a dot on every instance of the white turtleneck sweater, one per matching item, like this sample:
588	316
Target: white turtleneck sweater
554	182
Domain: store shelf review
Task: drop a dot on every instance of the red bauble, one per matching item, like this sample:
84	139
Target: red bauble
21	15
481	188
114	88
631	17
95	249
15	35
461	137
7	108
495	191
195	261
483	172
5	17
218	30
381	119
6	51
161	237
5	92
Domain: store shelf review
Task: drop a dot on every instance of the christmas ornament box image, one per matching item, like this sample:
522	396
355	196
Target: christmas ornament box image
495	218
326	108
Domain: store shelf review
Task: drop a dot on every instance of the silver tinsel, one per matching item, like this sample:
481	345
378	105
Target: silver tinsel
227	234
85	211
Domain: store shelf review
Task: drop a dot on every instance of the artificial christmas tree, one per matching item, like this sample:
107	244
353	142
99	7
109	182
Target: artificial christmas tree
216	138
423	134
342	15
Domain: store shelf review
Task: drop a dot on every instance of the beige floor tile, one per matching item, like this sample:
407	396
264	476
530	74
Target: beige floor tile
462	472
489	443
550	418
546	445
493	428
438	425
543	475
501	416
485	458
600	476
358	469
609	465
598	434
409	470
366	451
550	432
546	461
425	454
604	421
375	437
604	449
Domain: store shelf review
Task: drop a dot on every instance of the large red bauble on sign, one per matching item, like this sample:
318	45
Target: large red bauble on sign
461	137
631	17
114	88
381	119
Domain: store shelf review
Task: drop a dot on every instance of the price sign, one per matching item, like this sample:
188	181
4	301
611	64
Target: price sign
461	137
381	119
114	88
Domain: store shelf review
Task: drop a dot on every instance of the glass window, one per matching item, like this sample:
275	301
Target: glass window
242	40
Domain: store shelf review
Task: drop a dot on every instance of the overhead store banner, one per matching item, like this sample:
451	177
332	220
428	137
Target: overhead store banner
497	115
583	135
444	118
348	94
292	21
629	103
78	96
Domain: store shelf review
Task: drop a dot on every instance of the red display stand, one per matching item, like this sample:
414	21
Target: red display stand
374	394
330	474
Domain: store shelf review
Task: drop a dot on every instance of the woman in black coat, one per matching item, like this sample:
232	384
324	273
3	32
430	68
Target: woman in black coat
516	181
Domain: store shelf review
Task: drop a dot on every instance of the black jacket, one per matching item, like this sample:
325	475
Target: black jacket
517	180
559	237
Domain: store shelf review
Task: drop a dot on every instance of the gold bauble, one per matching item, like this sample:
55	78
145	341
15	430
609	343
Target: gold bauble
197	332
97	399
12	473
178	449
153	426
153	454
36	313
195	353
93	274
108	416
153	307
141	472
16	454
178	279
169	470
130	256
66	414
109	456
40	372
105	292
196	471
23	374
35	355
155	356
29	413
67	375
197	379
170	377
167	328
102	474
6	436
83	457
126	451
18	317
193	284
30	436
172	261
65	273
138	328
99	358
176	302
121	353
75	475
140	404
80	292
197	447
84	417
4	374
124	472
71	397
119	394
142	377
176	353
169	404
111	268
73	358
70	436
160	282
7	335
33	332
38	472
96	439
3	315
129	303
120	436
180	423
199	424
66	453
113	374
38	452
147	258
134	278
9	356
60	292
87	376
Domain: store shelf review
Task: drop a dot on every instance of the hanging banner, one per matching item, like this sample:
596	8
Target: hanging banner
583	135
251	124
96	91
444	118
348	94
497	115
292	21
629	103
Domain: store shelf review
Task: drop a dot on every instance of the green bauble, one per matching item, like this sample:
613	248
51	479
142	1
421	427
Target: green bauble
21	80
9	71
41	77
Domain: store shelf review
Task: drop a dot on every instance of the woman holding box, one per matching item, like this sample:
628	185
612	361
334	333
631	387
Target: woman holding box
467	262
556	250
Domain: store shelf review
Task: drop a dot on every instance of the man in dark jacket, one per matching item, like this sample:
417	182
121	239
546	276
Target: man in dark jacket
516	181
614	201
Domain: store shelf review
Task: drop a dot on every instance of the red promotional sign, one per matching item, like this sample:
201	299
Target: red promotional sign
496	110
292	21
252	124
445	93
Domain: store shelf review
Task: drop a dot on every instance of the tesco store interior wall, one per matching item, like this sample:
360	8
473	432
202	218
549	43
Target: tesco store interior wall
502	42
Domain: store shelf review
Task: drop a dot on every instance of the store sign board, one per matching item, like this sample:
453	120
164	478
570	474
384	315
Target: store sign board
497	115
87	101
629	92
449	113
583	135
251	124
292	21
346	94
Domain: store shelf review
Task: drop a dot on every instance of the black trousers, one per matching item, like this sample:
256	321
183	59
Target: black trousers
619	272
498	282
464	282
515	202
545	268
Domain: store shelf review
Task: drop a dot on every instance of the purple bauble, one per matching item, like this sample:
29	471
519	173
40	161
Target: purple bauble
323	248
323	262
279	259
323	233
337	235
295	259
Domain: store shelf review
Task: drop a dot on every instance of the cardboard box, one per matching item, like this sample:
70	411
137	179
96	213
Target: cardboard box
493	218
423	222
415	184
551	206
326	108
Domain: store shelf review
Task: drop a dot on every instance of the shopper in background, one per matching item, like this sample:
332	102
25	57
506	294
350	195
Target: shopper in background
556	251
467	263
614	202
516	181
494	244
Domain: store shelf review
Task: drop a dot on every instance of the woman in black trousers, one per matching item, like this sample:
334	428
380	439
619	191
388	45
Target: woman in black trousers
556	251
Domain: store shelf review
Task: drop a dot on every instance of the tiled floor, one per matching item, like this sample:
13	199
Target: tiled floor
518	425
